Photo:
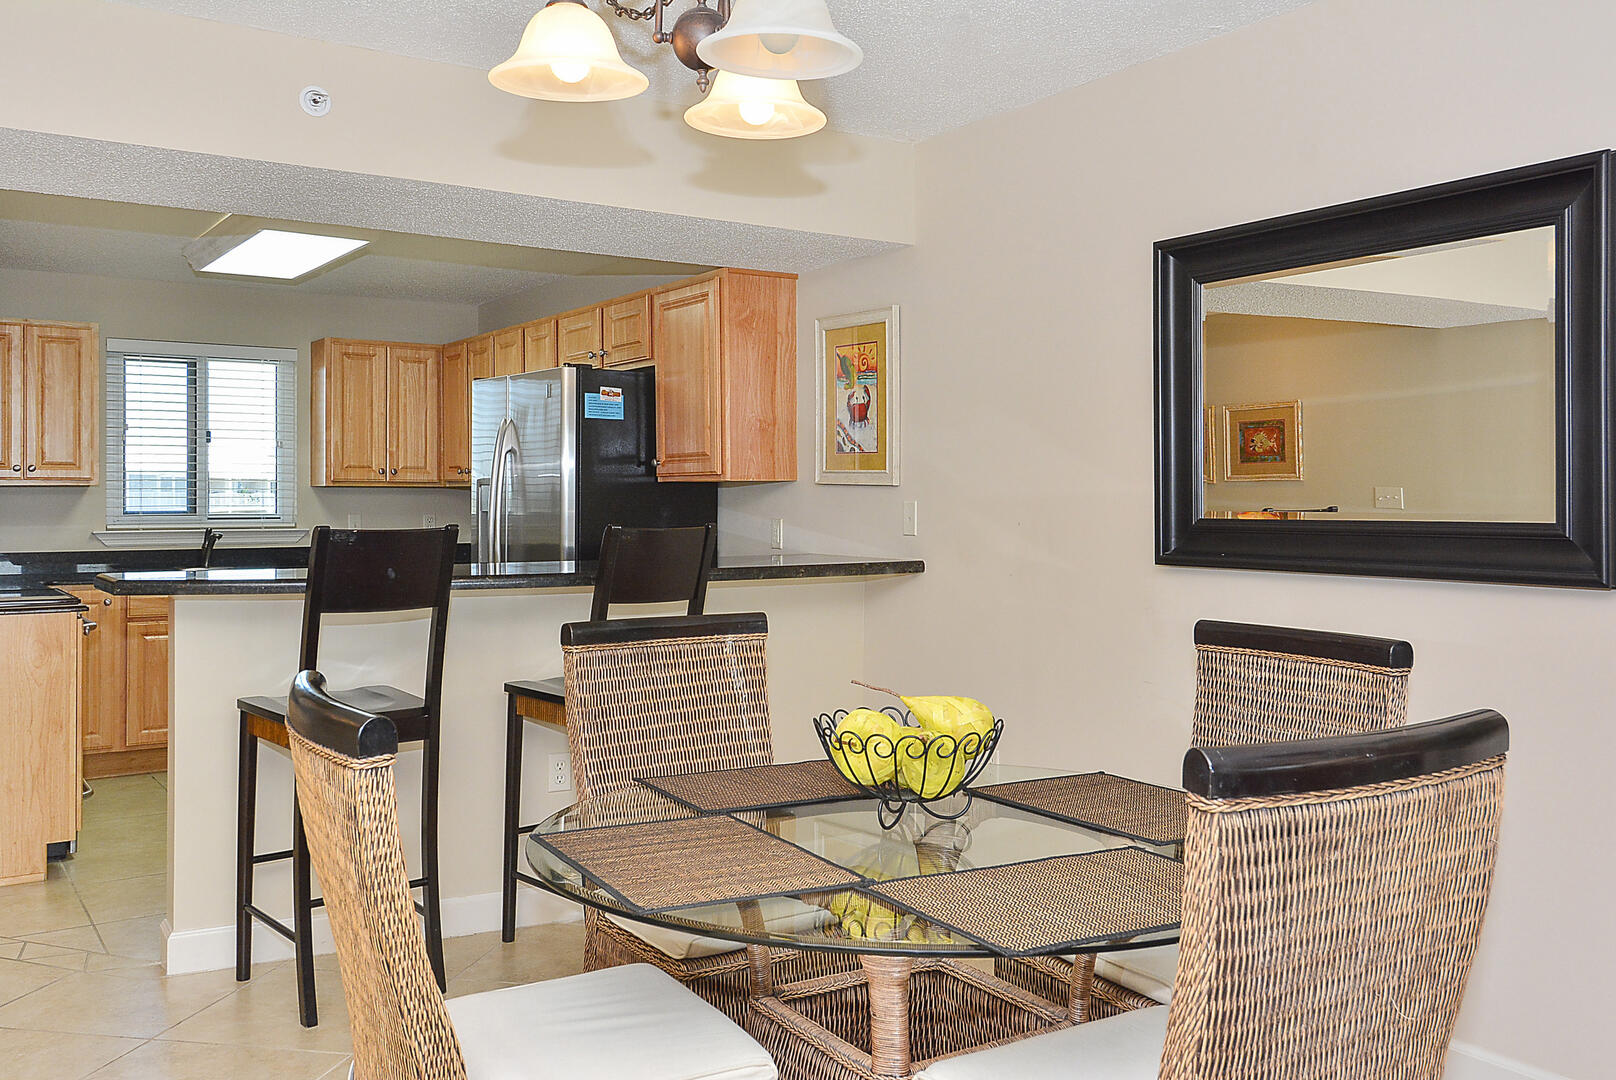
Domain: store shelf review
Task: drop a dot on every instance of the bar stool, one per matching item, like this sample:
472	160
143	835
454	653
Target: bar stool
350	572
637	566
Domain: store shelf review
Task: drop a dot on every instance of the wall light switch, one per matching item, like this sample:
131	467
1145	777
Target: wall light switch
911	518
777	534
353	521
1389	498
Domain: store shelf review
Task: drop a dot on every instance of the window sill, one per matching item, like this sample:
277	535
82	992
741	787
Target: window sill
232	536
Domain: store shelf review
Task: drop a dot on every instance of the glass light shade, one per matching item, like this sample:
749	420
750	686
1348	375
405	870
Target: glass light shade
568	54
741	107
781	39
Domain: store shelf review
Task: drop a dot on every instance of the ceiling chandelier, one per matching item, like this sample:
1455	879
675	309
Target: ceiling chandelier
748	56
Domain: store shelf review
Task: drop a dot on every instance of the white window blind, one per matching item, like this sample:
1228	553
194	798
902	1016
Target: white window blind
200	434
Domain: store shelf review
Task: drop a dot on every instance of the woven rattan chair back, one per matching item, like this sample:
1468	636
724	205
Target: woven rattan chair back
660	697
345	787
1334	890
1256	684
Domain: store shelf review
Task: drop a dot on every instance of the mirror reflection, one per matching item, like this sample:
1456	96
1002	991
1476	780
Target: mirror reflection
1418	384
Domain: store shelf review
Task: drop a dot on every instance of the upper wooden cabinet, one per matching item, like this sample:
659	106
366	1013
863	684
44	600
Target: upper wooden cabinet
539	345
480	356
377	405
50	403
626	331
726	362
508	351
578	337
454	422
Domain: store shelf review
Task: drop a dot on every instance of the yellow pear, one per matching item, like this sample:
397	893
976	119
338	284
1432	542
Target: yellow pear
862	746
936	772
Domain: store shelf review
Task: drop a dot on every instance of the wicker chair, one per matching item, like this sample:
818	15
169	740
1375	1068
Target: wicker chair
637	1019
1253	684
660	697
1334	890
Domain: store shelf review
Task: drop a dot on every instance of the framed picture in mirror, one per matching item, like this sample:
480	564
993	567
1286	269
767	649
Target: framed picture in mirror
1452	346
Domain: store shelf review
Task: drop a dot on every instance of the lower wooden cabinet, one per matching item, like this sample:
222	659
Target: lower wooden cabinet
124	682
39	761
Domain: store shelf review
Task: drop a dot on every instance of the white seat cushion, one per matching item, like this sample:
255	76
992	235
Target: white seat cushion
1144	971
630	1023
780	913
1125	1047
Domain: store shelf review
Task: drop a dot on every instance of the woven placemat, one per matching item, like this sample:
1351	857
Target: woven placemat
1049	905
661	865
1114	804
760	787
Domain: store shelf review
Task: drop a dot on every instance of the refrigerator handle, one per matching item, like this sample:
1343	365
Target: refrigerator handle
484	518
506	448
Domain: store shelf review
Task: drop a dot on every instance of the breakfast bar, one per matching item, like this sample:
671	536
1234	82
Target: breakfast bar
235	633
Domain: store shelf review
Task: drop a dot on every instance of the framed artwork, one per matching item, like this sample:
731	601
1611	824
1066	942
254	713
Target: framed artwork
1262	442
857	369
1209	445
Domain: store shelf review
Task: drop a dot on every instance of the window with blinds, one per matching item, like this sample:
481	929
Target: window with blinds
200	434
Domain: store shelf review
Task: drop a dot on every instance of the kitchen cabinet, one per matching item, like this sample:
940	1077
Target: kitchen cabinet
539	345
480	356
626	331
50	415
454	419
508	351
578	337
377	408
39	754
123	680
726	362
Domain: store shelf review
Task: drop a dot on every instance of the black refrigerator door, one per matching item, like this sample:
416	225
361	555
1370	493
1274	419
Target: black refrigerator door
617	482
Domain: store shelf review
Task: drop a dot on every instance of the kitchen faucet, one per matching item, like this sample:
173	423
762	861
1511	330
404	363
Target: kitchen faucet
210	537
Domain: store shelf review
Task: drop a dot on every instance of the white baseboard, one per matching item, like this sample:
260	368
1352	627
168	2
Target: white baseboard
214	948
1467	1062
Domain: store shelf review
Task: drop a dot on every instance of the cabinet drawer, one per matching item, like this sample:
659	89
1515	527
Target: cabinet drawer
147	607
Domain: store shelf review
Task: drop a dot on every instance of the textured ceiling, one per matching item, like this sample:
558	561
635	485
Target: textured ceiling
928	67
87	236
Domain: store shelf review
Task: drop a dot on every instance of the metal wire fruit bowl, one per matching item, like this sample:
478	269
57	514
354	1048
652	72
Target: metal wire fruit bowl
917	766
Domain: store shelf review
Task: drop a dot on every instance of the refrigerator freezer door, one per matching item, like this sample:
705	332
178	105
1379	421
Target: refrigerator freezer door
541	507
490	399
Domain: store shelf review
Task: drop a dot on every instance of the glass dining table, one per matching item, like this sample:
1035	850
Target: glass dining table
915	908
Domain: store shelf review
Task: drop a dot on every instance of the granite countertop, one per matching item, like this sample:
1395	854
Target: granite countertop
268	580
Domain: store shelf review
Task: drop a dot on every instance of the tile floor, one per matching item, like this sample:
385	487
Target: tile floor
82	994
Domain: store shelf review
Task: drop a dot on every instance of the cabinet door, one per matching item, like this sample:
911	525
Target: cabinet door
626	330
578	337
61	381
508	351
12	405
690	436
356	412
454	422
413	407
38	741
101	683
480	356
146	652
539	345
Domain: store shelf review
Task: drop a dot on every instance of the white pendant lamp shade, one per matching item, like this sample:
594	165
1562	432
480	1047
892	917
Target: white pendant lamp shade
741	107
781	39
568	54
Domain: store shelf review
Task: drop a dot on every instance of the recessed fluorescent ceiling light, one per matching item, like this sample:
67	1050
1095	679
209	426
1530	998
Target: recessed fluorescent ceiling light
272	253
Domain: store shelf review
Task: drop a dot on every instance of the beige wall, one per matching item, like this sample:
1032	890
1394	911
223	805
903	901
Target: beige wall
1027	319
63	518
1462	419
564	294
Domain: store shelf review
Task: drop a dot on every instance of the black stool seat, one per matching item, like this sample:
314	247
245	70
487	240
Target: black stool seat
407	712
552	690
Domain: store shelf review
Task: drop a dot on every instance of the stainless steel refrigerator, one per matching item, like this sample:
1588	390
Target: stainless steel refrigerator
556	456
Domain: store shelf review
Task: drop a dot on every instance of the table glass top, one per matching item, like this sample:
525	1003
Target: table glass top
849	835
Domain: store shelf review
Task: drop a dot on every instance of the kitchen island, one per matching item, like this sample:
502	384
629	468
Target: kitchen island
235	634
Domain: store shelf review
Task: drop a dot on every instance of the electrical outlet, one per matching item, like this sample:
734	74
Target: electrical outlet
353	521
1389	498
560	772
429	521
777	534
911	518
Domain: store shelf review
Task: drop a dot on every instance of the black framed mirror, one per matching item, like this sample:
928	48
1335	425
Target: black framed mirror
1409	386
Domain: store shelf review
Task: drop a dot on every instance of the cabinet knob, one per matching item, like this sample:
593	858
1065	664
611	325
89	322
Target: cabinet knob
89	624
381	472
395	472
33	468
16	468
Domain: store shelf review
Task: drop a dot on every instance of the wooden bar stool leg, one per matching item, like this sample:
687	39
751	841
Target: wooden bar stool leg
888	979
303	919
432	898
514	730
246	821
